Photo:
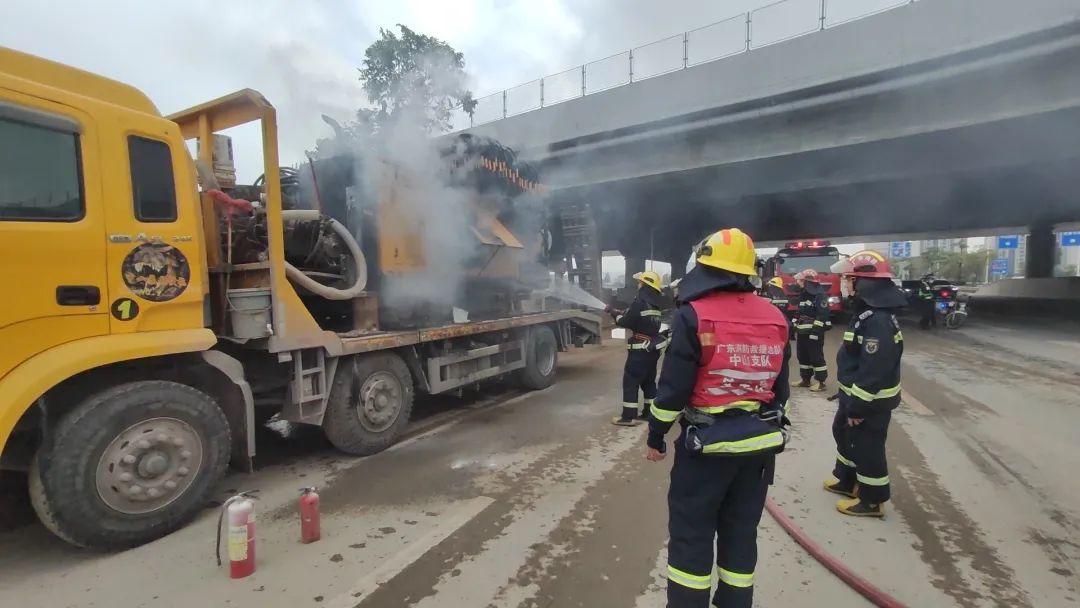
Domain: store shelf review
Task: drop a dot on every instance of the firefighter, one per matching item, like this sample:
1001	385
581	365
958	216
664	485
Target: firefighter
725	379
925	296
811	321
868	369
774	293
642	320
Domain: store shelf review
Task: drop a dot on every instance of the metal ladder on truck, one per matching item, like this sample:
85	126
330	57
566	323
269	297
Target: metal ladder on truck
582	247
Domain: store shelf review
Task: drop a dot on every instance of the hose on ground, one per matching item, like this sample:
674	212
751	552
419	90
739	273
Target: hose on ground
359	262
861	586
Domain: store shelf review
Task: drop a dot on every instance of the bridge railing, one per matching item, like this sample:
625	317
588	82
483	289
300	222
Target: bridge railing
763	26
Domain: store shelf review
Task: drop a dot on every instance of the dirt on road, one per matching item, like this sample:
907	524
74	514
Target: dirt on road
536	500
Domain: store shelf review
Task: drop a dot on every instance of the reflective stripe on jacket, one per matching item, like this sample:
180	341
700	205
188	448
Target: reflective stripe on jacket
868	363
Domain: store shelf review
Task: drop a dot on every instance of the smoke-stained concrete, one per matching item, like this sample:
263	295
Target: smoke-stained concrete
941	115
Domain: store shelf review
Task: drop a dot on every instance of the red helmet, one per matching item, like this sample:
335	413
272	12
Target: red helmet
868	263
806	275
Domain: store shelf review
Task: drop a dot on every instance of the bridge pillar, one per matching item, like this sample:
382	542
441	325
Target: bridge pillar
1041	251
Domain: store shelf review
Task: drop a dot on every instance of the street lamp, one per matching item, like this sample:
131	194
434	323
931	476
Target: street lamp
960	269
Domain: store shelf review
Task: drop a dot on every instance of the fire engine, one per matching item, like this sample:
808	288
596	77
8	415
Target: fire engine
797	256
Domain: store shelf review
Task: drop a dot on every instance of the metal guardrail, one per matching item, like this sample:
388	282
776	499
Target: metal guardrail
763	26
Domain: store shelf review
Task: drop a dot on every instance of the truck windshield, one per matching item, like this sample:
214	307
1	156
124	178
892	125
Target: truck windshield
790	264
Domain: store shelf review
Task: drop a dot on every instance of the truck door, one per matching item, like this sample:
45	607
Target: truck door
155	259
52	228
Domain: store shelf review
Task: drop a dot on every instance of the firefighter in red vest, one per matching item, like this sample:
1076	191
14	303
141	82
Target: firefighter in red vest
868	369
725	379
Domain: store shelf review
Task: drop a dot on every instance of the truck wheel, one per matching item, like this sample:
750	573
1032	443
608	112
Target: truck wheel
130	464
541	359
370	403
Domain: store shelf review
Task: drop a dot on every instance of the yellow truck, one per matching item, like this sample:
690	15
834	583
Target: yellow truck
149	325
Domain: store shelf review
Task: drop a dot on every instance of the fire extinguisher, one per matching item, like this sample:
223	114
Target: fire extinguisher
240	513
310	530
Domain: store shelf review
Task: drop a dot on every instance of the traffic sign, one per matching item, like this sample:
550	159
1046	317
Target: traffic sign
999	267
1011	241
900	249
1070	239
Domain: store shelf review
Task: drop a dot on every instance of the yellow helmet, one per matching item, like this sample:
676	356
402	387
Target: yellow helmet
729	249
650	278
777	282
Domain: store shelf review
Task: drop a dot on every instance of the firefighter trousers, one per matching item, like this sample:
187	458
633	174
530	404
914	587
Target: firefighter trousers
719	500
860	454
810	349
639	374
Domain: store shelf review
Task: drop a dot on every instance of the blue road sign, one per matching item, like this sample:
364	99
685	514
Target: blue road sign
900	249
1011	241
1070	239
999	267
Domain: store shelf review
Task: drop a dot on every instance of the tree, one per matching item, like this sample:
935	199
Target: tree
415	76
411	81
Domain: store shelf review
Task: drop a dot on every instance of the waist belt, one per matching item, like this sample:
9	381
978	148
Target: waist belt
646	342
742	434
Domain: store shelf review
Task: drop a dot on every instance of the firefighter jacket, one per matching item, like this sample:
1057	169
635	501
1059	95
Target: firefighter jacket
812	315
868	363
729	351
642	319
777	296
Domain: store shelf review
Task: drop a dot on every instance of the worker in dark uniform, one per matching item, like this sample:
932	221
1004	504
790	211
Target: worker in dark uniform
775	294
644	345
868	369
925	296
725	379
811	321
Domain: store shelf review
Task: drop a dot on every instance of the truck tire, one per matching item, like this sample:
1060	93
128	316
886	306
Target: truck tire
370	403
541	359
130	464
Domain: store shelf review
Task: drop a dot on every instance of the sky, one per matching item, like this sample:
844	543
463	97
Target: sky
303	55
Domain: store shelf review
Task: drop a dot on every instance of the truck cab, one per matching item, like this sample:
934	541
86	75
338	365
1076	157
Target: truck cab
796	256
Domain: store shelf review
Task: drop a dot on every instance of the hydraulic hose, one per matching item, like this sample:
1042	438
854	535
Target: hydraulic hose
330	293
861	586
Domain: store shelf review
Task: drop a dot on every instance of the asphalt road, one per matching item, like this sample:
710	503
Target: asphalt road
536	500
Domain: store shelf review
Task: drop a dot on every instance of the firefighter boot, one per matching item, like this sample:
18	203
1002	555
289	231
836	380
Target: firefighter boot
801	384
817	387
858	508
644	415
837	487
628	415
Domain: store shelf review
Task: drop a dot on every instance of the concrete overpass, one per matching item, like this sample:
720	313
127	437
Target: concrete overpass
939	115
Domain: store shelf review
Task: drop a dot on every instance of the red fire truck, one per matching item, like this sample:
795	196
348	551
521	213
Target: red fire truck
796	256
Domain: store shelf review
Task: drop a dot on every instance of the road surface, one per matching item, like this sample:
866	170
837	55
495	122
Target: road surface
536	500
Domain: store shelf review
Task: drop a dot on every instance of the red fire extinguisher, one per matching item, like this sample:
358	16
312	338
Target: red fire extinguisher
240	513
309	516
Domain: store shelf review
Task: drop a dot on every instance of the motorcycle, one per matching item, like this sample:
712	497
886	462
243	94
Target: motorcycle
953	313
956	317
945	304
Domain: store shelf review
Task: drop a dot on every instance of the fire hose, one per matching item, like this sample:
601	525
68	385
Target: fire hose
359	262
859	584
